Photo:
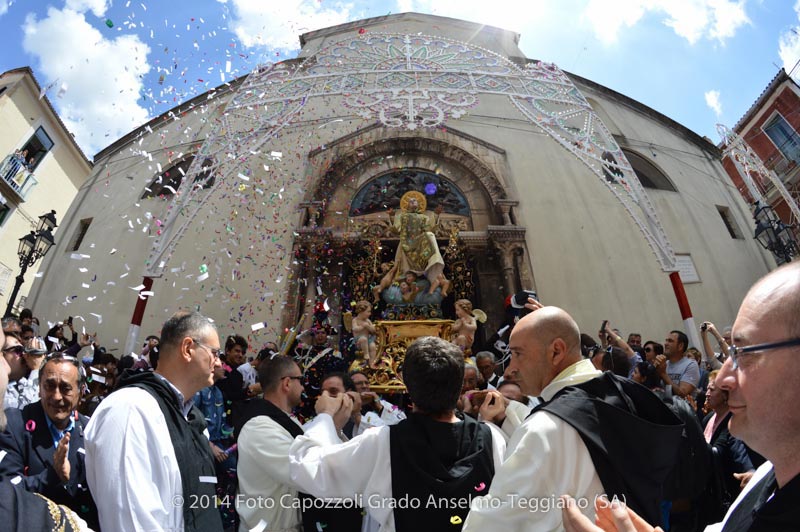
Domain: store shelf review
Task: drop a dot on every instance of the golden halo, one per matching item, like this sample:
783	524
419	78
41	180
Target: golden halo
419	196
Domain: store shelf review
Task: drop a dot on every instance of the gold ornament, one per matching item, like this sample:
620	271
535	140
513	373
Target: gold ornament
419	196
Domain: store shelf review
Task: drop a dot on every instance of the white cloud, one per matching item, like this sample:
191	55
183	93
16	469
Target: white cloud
712	100
102	75
98	7
789	47
690	19
3	7
279	26
728	17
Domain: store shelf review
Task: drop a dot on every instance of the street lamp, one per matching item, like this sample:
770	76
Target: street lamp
33	247
773	234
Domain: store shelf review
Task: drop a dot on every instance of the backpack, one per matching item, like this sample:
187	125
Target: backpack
692	472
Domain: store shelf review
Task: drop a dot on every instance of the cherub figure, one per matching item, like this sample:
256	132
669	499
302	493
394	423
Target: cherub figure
467	323
408	291
389	271
364	332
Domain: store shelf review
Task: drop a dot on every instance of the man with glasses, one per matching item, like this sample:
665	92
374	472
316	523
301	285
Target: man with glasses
762	379
372	406
147	457
44	441
264	434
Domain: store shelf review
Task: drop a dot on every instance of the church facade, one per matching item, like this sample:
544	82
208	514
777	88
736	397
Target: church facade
266	198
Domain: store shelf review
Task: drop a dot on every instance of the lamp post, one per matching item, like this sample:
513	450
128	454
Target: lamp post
774	235
33	247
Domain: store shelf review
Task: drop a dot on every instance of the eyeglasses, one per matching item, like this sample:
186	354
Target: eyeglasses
736	353
214	352
17	350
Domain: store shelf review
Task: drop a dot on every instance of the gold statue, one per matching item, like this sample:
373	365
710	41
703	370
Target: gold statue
417	251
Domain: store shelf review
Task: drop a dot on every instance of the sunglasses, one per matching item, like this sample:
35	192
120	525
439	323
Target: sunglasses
17	350
648	349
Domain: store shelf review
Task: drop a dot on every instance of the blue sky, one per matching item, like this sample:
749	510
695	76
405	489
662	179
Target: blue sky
111	65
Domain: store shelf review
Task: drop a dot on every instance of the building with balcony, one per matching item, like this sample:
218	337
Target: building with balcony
771	127
41	169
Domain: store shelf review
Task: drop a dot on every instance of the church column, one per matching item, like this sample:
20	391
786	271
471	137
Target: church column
507	240
506	250
505	206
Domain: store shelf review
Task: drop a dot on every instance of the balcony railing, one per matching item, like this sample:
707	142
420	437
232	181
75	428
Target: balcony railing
16	175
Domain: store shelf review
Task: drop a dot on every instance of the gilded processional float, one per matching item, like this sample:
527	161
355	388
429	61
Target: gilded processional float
401	284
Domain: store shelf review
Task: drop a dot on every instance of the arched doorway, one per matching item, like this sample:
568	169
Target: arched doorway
345	235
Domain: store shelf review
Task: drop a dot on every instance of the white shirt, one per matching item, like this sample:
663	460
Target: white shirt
131	465
266	491
360	467
23	392
545	458
249	374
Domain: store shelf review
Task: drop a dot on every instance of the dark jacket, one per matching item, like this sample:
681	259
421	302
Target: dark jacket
30	455
192	451
442	461
730	456
22	511
630	434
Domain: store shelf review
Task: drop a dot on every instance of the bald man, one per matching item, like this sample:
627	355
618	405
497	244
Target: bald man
576	440
762	379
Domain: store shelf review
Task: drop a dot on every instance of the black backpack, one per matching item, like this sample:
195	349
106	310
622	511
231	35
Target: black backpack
691	475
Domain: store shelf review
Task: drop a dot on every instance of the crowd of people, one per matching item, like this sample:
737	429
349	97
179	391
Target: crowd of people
556	429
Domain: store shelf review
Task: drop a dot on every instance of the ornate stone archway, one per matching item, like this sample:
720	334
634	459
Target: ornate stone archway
489	235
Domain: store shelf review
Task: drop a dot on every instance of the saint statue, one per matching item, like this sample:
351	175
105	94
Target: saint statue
417	251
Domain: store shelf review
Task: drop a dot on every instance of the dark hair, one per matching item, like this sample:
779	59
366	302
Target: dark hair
182	324
433	373
648	371
266	354
233	340
26	328
682	339
126	362
658	348
152	337
25	313
61	358
347	382
356	372
587	343
273	370
616	361
101	356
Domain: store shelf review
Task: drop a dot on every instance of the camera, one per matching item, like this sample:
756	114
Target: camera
521	298
704	327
